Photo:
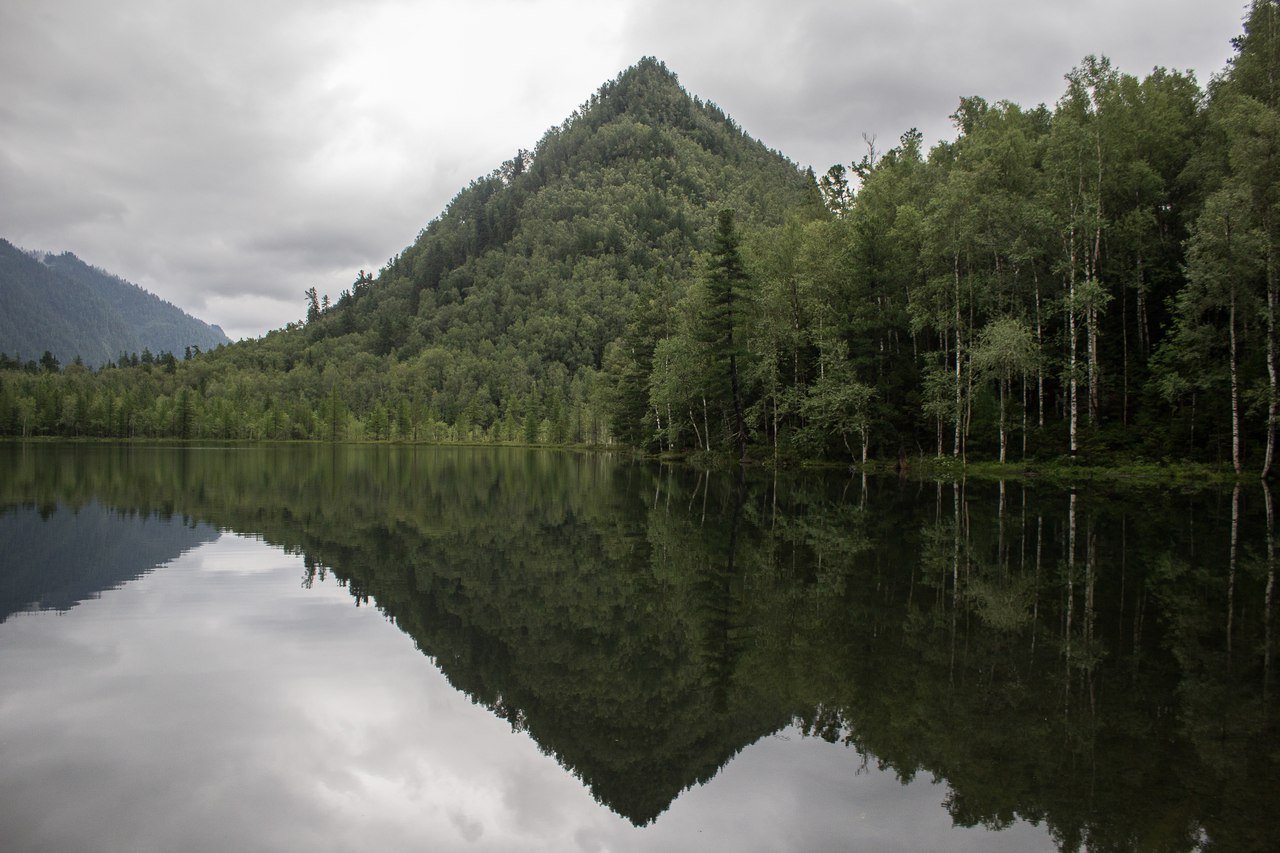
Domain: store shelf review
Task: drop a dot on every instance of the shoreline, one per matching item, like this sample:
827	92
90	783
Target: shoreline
1057	471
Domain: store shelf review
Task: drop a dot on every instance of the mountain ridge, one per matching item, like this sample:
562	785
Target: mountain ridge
61	304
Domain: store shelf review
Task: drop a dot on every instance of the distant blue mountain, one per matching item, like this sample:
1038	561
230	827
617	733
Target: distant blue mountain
61	304
56	557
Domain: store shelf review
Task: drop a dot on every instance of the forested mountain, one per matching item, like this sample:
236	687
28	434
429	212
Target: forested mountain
60	304
1095	279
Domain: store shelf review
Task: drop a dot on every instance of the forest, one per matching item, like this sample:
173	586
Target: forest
1094	280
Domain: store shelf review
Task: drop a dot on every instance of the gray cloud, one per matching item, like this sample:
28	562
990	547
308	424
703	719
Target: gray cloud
810	77
229	156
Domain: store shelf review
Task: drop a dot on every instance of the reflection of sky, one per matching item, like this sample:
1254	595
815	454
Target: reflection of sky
218	705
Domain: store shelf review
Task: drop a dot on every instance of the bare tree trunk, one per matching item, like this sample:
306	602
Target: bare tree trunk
1095	274
775	427
1091	337
1039	351
959	414
1235	389
1124	342
1273	400
1024	415
1072	402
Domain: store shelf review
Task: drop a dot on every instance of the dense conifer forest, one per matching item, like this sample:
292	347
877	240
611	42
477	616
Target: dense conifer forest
1095	279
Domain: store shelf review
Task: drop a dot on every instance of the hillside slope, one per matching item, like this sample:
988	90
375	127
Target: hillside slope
61	304
501	310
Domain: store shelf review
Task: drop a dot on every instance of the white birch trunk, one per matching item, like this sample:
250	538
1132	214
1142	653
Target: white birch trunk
1235	389
959	416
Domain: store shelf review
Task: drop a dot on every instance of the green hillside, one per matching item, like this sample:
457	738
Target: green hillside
501	311
60	304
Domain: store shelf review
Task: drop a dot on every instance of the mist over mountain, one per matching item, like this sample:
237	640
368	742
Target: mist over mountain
61	304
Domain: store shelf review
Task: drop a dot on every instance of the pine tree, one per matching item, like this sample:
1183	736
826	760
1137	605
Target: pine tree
722	323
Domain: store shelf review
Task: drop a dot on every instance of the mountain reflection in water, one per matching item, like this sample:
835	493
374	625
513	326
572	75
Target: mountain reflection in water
1100	665
56	557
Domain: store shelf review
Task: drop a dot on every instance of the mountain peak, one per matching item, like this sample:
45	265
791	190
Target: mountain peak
649	93
650	65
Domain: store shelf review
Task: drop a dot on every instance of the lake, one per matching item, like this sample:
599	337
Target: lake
354	648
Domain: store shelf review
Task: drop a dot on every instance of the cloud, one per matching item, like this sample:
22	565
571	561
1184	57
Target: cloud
220	154
810	78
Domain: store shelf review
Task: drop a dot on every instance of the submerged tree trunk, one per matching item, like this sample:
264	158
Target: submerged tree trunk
1270	591
1071	602
1231	569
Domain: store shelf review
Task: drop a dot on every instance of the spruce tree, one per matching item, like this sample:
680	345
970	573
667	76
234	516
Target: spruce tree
726	282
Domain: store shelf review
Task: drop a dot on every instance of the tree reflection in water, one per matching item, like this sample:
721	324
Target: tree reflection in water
1099	663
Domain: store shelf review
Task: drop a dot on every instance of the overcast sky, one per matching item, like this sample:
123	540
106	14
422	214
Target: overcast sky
229	155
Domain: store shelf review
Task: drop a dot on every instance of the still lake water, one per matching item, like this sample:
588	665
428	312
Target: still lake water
315	648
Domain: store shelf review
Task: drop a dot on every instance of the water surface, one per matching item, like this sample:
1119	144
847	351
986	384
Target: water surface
485	649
